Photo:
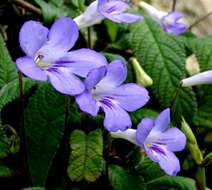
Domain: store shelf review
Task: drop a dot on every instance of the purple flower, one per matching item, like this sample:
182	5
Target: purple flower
158	140
170	22
47	57
115	10
197	79
104	89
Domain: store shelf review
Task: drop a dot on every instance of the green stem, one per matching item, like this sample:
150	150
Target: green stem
173	103
89	38
22	130
200	178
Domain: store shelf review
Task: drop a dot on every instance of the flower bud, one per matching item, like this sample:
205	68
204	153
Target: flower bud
192	65
142	78
188	132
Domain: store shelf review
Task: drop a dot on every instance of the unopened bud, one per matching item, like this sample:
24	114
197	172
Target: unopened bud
142	78
192	65
188	132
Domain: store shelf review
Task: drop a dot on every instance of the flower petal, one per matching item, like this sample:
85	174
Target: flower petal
114	7
62	37
87	103
163	120
27	66
173	139
32	36
83	60
116	118
143	130
172	17
90	17
130	96
65	82
166	159
126	18
94	76
116	74
197	79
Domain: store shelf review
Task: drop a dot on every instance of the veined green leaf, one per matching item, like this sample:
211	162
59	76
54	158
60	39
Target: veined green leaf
86	161
44	126
163	58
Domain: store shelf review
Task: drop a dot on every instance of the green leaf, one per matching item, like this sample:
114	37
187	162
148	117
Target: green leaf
4	146
9	83
8	70
34	188
202	48
179	183
163	58
86	161
52	10
44	126
121	179
9	141
6	172
141	113
148	169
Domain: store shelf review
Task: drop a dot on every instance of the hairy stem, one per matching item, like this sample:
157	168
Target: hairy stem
28	6
200	178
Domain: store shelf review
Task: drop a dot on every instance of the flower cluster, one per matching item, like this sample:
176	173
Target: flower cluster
96	84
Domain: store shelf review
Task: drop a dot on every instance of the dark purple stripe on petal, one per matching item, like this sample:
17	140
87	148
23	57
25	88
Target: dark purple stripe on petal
157	149
63	63
107	101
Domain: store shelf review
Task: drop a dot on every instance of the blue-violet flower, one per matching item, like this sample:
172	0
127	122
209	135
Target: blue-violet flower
158	141
114	10
104	89
170	22
47	57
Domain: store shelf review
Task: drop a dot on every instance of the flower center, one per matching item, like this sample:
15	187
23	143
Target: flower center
40	62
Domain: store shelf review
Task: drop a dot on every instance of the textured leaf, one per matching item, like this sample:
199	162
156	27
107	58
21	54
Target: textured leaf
9	85
163	58
53	10
6	172
34	188
4	146
202	48
44	126
86	159
179	183
149	170
8	71
9	141
121	179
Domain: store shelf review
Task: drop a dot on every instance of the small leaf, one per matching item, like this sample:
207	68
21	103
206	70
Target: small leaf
121	179
44	126
5	172
86	161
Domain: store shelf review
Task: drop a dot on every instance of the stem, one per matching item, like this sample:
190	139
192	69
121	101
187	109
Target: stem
108	150
199	20
22	130
89	38
175	97
200	178
28	6
174	5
